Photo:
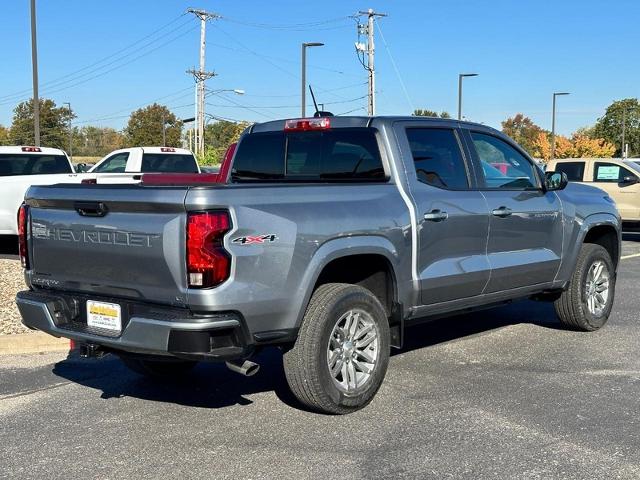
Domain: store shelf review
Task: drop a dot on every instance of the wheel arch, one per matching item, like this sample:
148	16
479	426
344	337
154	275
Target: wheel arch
369	261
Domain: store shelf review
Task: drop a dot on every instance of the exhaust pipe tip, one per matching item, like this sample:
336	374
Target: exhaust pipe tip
246	368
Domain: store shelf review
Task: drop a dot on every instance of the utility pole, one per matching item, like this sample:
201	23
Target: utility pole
201	75
34	68
70	130
369	49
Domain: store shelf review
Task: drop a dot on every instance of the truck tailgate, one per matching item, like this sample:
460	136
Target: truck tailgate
114	240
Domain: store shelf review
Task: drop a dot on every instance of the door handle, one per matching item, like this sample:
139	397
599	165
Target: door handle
91	209
502	212
436	215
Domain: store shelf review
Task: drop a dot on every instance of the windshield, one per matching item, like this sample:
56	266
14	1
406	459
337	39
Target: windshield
33	164
349	154
168	163
633	164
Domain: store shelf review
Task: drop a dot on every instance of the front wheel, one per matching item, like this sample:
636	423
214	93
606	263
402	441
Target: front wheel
588	301
341	355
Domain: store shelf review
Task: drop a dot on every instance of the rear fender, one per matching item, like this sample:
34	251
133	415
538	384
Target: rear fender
345	247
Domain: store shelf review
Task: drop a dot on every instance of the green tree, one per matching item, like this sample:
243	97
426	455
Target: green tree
524	132
54	124
145	127
609	126
430	113
4	136
93	141
218	136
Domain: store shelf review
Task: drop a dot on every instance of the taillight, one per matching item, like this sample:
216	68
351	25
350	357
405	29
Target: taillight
305	124
31	149
208	263
167	149
23	219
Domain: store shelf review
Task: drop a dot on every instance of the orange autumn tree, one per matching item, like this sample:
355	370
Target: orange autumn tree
564	147
585	147
541	147
579	146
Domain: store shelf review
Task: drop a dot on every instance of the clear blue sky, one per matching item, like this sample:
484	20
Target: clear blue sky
523	50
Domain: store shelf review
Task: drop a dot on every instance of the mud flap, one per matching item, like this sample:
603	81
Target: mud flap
396	326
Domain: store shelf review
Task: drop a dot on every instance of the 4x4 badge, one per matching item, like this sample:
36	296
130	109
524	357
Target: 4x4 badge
253	239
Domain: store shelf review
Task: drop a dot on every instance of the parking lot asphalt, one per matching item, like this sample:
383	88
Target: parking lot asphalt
503	393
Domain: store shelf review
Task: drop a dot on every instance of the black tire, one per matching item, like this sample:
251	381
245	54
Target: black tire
571	307
158	369
306	364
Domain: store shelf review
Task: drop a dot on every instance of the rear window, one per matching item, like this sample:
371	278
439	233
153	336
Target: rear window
168	163
574	170
19	164
349	154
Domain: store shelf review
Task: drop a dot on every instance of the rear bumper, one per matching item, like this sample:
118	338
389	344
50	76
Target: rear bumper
149	330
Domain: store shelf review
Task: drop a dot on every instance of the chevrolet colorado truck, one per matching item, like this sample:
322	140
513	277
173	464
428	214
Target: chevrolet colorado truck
330	236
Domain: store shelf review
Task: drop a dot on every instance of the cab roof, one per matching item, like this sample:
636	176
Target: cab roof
361	121
28	150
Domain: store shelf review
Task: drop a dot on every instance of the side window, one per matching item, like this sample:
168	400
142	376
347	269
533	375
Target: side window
610	173
573	170
503	166
437	158
115	164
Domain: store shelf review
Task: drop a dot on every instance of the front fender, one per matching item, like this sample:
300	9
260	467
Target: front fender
575	238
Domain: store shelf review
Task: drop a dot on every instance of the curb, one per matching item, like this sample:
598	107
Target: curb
37	342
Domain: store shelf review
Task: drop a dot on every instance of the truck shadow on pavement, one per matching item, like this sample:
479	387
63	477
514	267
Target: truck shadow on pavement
212	385
9	246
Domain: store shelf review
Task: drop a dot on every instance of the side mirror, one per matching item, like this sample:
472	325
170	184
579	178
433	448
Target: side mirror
629	180
555	181
81	168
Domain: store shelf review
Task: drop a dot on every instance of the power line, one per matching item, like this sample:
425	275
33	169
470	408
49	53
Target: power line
71	74
331	90
395	67
293	27
255	54
109	116
56	90
297	105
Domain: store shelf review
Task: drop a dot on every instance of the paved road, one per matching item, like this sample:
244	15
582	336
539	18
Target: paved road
503	393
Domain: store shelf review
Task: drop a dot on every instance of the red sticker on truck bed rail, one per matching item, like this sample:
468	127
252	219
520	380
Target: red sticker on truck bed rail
255	239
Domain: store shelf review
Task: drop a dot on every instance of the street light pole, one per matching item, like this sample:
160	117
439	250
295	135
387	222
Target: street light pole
34	69
624	125
164	131
553	124
70	130
303	91
460	77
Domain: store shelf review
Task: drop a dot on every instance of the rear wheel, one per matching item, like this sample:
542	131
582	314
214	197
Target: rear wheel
341	355
158	368
587	303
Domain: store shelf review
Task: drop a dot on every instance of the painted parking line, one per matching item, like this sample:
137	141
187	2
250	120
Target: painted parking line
624	257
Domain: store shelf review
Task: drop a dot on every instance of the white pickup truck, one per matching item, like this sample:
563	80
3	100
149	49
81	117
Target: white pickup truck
121	164
23	166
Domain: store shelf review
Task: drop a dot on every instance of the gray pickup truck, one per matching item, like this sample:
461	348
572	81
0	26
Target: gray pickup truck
329	238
